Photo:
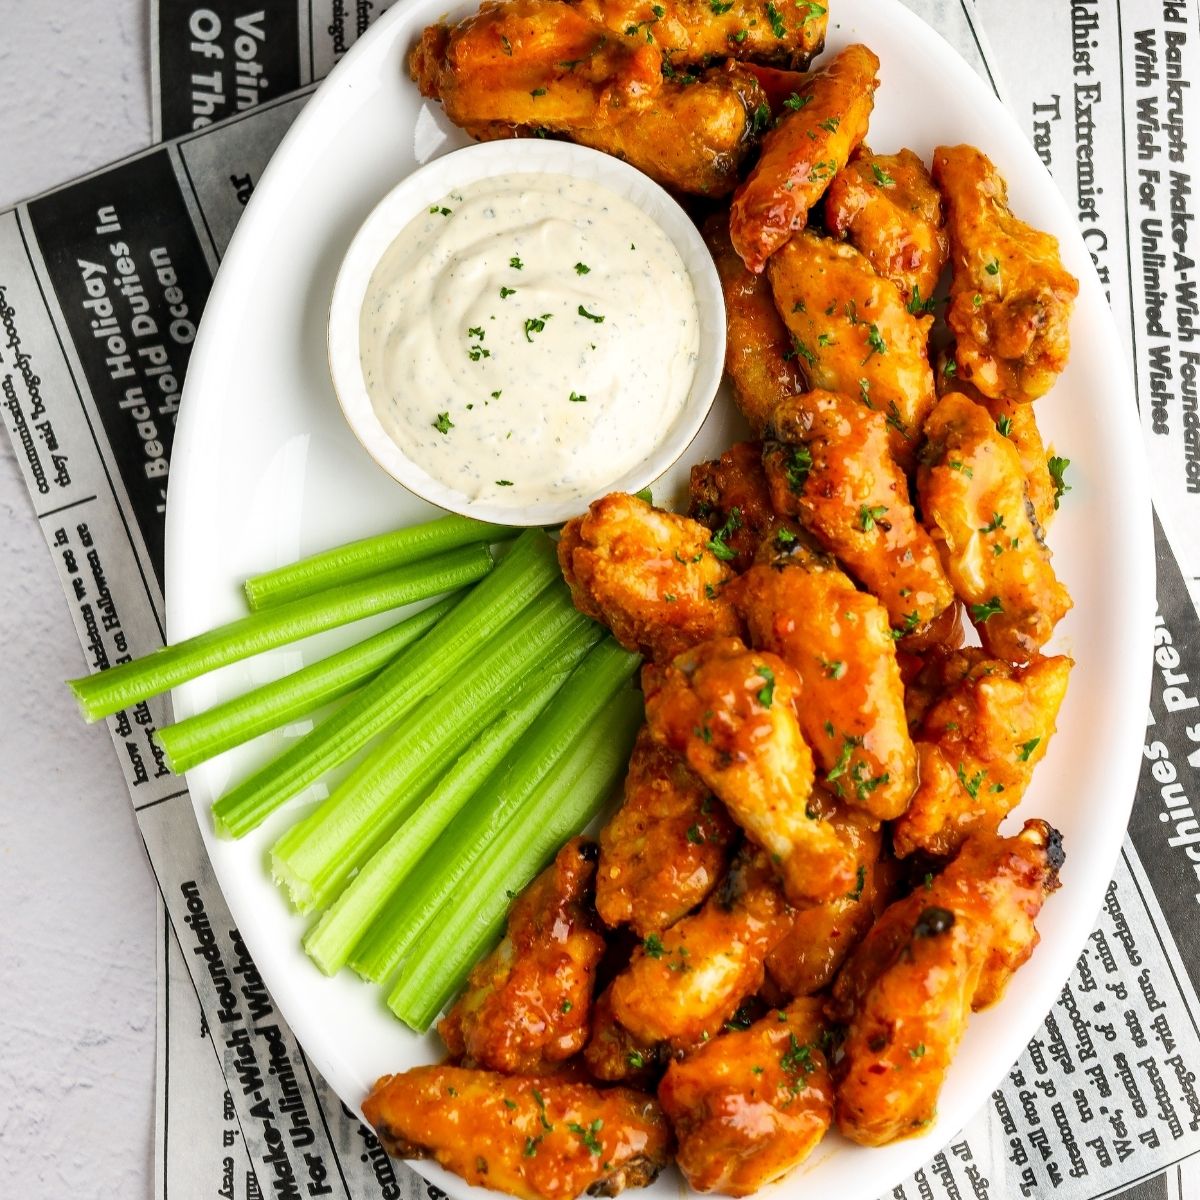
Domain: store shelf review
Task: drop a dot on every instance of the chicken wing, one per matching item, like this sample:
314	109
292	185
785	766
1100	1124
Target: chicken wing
906	993
614	1055
526	1004
731	496
978	744
654	578
542	1139
888	208
820	936
750	1106
759	356
1010	295
800	606
682	986
828	464
696	31
730	712
972	491
667	846
802	153
854	335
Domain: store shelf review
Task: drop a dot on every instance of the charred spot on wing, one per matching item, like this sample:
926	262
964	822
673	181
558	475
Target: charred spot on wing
589	851
932	921
1055	854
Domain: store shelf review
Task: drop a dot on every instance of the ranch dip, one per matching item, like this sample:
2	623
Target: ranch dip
529	337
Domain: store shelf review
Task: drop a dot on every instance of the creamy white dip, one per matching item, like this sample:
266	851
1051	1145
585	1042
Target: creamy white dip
529	337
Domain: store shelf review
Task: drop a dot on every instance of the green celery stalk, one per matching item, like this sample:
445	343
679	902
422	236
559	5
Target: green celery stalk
109	691
316	856
238	720
370	556
438	875
331	940
569	796
525	572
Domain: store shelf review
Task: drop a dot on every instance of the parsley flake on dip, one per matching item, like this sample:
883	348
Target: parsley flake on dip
529	337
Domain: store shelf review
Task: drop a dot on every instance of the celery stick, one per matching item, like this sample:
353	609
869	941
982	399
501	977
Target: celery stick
568	797
525	572
440	873
316	856
207	734
370	556
330	941
118	687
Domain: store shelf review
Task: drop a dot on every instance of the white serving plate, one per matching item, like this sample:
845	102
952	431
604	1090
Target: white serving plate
265	469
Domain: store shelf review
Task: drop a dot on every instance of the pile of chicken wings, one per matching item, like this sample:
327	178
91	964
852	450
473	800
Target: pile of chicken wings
804	894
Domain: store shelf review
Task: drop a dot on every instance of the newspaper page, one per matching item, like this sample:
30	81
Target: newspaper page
93	344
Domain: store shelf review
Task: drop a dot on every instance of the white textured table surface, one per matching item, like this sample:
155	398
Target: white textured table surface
77	952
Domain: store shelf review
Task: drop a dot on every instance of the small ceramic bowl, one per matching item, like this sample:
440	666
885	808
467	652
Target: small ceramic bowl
460	168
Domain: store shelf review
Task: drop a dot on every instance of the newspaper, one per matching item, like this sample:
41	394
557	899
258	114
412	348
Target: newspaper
101	284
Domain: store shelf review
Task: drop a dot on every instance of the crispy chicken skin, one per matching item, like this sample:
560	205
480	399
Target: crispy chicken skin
646	574
1010	296
693	31
731	495
888	208
667	846
526	1004
828	464
801	606
759	357
854	335
750	1106
973	500
730	712
820	936
542	1139
906	992
802	153
978	744
540	65
681	986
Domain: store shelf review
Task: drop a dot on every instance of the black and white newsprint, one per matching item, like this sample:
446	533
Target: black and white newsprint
101	285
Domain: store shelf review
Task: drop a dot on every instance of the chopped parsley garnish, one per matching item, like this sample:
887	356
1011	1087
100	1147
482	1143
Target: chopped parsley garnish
918	1051
865	784
507	45
565	1007
695	835
796	103
950	369
739	37
825	339
531	1146
796	468
839	768
717	544
583	312
718	7
797	1060
1027	748
516	263
981	612
536	325
504	483
476	331
895	421
538	92
868	516
588	1135
804	352
916	305
927	882
582	269
822	170
767	693
993	267
997	522
540	1100
443	424
835	669
576	398
1058	473
864	392
1004	425
778	28
830	124
972	784
812	9
509	1103
956	464
497	393
977	300
860	882
882	178
635	1059
653	946
505	292
784	539
436	209
875	343
761	118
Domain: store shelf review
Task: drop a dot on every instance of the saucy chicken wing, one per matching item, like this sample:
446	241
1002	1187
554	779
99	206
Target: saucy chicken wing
750	1106
800	606
652	577
978	745
906	993
696	31
526	1004
804	151
820	936
973	499
732	497
614	1055
854	335
1010	295
667	846
730	712
541	1139
681	986
759	357
828	464
888	208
